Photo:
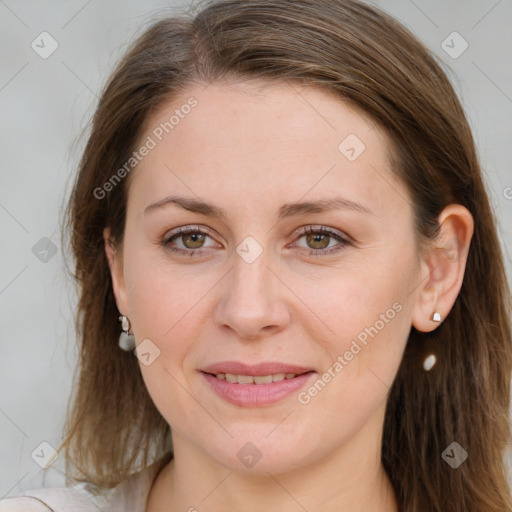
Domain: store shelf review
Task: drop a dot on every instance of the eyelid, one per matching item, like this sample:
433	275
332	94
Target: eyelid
304	230
183	230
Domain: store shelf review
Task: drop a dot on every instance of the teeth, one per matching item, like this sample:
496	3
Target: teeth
262	379
249	379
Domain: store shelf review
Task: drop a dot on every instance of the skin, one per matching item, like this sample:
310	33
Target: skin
249	148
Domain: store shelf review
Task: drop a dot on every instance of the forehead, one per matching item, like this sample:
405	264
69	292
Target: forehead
264	140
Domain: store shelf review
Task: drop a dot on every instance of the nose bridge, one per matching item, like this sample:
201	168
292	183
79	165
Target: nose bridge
249	302
251	280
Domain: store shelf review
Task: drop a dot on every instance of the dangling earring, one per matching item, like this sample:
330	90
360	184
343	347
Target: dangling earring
429	362
126	340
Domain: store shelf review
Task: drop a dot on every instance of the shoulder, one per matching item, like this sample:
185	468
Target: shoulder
55	499
131	494
22	504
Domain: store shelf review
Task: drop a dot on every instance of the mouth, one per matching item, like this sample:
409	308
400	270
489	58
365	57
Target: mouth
255	385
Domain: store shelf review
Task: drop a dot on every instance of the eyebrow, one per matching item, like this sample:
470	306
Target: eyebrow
286	210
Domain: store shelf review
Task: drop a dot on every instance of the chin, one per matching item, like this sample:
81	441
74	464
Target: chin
260	451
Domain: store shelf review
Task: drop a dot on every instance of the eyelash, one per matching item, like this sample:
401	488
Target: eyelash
302	232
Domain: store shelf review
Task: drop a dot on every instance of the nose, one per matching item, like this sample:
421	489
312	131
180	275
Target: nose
253	299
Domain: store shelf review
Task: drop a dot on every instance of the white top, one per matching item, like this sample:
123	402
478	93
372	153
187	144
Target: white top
129	496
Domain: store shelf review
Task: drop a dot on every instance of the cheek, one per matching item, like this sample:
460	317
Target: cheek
167	309
357	306
367	313
163	297
363	360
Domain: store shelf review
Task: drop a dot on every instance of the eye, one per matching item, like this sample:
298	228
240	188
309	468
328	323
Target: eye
192	240
317	238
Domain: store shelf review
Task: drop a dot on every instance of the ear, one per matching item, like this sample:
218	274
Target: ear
115	262
443	267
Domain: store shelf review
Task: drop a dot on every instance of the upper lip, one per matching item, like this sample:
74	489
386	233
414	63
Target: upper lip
265	368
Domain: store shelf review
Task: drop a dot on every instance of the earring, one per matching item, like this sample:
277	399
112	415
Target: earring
429	362
126	340
431	359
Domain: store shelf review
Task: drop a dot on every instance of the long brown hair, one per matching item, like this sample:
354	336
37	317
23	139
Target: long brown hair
373	62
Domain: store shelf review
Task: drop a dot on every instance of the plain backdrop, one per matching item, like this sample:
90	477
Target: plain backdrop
45	105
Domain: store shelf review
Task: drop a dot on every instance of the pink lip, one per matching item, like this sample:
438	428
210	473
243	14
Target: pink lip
255	395
255	370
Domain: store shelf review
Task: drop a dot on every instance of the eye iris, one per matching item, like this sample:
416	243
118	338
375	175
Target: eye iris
317	238
195	237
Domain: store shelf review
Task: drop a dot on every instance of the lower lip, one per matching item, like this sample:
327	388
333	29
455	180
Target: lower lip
255	395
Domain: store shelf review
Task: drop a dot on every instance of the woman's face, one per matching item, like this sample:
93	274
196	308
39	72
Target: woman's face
250	287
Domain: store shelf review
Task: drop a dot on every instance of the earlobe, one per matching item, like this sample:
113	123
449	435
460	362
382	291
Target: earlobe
116	273
443	268
428	313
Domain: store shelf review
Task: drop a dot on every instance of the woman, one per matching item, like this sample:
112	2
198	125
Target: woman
281	206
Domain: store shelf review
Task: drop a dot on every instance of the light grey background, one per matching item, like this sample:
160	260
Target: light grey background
44	106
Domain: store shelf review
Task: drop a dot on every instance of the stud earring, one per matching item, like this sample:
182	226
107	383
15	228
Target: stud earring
126	340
